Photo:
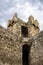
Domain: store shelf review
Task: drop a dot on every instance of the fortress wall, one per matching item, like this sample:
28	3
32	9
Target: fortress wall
13	41
36	52
11	47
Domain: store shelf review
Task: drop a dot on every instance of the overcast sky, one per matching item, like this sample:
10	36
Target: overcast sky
24	9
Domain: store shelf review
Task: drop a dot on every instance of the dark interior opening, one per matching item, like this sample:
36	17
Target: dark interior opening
24	31
25	54
34	25
13	22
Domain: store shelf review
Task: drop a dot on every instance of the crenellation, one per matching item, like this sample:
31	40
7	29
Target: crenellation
31	19
21	43
16	24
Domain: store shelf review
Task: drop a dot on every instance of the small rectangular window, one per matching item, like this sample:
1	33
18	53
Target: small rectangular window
24	31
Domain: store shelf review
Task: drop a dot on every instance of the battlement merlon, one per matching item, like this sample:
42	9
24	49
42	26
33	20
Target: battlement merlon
18	26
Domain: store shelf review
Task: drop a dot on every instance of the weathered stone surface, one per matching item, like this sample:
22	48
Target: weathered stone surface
34	26
36	53
16	24
31	19
15	18
11	47
12	42
36	23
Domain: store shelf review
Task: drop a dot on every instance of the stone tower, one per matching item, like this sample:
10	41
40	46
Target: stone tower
21	28
21	43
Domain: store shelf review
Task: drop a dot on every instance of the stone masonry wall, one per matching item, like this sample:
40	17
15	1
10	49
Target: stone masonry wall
15	25
11	48
36	53
12	41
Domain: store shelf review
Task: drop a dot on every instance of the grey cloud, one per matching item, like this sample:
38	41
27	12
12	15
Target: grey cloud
41	1
7	9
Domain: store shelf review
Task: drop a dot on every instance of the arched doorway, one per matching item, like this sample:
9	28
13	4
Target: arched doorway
25	54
